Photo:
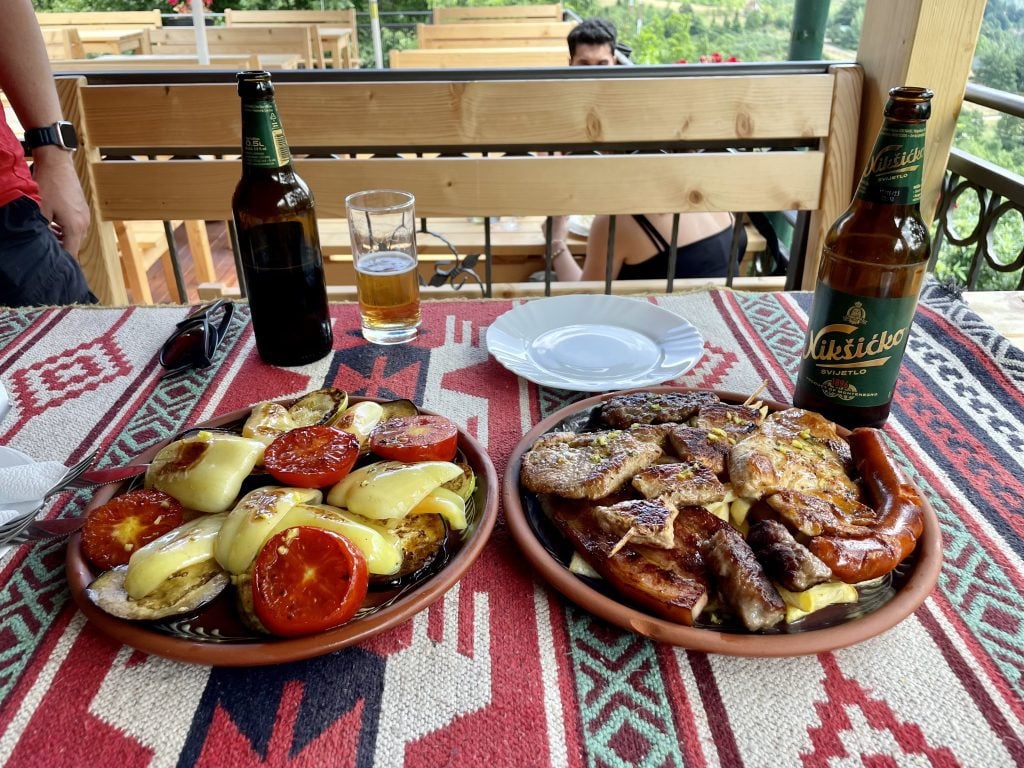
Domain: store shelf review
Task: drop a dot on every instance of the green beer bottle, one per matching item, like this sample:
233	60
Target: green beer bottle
279	243
872	266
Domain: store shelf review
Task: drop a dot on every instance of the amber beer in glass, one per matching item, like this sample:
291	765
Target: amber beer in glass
282	266
872	266
382	227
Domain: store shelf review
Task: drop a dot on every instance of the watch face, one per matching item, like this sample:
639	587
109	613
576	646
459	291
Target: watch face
67	135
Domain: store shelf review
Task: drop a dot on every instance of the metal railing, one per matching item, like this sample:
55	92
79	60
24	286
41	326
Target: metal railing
998	196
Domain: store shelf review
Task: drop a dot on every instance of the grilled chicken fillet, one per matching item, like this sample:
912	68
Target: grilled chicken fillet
589	465
783	453
702	446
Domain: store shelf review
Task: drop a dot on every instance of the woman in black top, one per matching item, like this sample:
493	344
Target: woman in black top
642	248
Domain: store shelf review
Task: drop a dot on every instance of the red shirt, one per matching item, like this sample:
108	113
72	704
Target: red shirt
15	179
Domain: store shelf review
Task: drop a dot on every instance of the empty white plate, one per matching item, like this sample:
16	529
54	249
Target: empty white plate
594	343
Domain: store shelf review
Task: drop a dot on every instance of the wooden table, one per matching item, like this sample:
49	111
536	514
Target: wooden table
113	41
503	671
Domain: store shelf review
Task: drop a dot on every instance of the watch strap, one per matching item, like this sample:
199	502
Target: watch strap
60	134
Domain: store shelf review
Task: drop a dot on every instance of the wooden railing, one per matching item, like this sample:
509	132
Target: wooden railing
480	144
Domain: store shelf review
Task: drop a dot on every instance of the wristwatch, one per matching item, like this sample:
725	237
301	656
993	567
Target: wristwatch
61	134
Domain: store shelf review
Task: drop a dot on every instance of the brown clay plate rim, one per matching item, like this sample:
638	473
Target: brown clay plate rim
919	582
280	650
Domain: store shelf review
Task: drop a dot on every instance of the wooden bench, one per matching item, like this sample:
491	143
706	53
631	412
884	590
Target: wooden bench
63	43
509	35
344	48
500	13
298	40
353	130
477	58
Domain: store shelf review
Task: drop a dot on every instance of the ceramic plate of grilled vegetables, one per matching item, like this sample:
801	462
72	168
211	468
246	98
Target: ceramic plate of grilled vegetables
285	531
705	520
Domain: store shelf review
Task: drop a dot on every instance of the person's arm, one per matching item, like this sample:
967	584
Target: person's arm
26	78
565	266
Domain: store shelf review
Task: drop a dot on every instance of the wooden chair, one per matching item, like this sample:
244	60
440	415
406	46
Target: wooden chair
507	35
325	21
297	40
361	126
477	58
63	43
498	13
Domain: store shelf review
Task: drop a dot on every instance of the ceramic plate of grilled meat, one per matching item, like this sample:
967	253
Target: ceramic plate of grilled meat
594	343
678	595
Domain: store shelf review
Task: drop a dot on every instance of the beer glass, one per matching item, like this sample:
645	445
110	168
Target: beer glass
382	226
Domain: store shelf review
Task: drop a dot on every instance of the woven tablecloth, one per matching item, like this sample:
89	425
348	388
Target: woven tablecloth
503	671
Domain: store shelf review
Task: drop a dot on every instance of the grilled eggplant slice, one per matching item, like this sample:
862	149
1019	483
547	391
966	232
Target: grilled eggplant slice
396	408
324	406
186	590
423	539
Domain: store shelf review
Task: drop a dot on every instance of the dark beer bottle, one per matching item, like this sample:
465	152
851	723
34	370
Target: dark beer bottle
282	265
872	266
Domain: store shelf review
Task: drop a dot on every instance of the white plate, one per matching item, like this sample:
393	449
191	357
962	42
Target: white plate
591	343
580	225
9	457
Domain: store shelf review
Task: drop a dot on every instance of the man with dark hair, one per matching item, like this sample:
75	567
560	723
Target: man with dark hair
592	43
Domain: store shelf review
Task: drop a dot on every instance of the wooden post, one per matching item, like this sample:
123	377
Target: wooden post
98	255
926	43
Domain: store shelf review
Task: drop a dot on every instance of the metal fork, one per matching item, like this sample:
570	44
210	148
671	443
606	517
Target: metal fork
71	475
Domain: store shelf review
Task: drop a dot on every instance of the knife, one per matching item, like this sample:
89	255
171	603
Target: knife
110	475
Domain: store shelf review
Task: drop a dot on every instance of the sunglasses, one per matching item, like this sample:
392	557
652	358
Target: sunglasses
196	338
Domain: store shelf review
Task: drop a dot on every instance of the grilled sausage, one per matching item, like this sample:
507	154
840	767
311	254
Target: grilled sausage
900	511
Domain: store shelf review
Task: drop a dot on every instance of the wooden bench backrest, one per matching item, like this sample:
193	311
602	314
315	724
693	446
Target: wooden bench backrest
63	43
355	119
288	39
477	58
100	19
135	63
518	13
335	18
517	34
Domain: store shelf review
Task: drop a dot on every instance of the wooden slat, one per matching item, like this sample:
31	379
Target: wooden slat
480	35
477	58
144	61
103	19
840	165
295	39
486	186
503	13
412	115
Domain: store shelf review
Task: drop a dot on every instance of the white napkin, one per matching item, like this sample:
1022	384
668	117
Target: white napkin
28	482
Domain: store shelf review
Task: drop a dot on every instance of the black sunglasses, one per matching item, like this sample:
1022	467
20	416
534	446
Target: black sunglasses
196	338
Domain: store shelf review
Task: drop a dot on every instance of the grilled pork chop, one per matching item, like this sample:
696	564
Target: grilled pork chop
671	583
791	451
735	421
588	465
701	445
654	407
682	484
650	520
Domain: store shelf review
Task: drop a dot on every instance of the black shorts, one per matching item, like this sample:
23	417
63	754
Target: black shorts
34	269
